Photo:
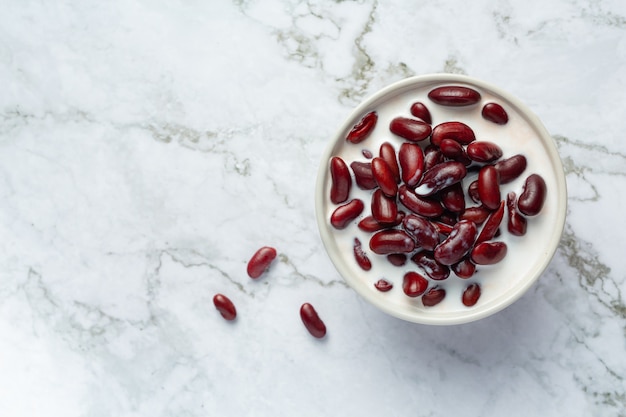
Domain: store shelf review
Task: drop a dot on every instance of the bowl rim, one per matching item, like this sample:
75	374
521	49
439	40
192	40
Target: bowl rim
397	88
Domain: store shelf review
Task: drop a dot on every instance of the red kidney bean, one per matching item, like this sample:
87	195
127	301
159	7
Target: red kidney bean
225	307
517	222
386	242
464	268
367	153
414	284
530	201
383	174
424	206
495	113
457	131
423	232
440	176
363	128
369	224
452	149
363	175
433	297
491	225
260	261
457	244
489	187
448	217
510	168
341	181
383	285
475	214
472	192
312	321
411	159
396	259
454	96
471	294
419	109
432	157
488	253
360	256
442	228
344	214
453	198
384	208
388	153
429	264
410	129
484	151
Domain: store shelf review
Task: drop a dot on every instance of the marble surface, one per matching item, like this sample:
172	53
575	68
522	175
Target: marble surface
148	148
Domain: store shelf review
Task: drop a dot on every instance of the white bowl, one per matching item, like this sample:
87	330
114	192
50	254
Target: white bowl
527	257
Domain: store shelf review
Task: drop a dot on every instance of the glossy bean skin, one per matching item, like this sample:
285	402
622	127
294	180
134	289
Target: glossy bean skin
430	266
384	176
464	268
441	176
411	158
369	224
491	224
225	307
452	149
511	168
346	213
388	153
457	131
363	128
433	296
470	295
472	192
489	187
386	242
457	244
312	321
397	259
423	232
367	153
414	284
419	110
341	181
484	151
517	223
383	285
363	175
432	157
423	206
454	96
410	129
384	208
360	256
475	214
488	253
453	198
495	113
260	261
533	196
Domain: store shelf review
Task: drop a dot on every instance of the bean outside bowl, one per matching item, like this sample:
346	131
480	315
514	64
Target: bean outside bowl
527	256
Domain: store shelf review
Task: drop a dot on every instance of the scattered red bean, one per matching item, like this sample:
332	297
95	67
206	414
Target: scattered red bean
410	129
511	168
483	151
363	175
388	153
343	215
423	232
411	158
391	241
452	149
530	201
414	284
424	206
225	307
367	153
397	259
363	128
488	253
312	321
420	110
454	96
429	264
341	181
458	131
517	222
464	268
260	261
384	176
441	176
432	157
457	244
433	297
475	214
495	113
453	198
360	256
489	187
383	285
384	208
471	294
491	225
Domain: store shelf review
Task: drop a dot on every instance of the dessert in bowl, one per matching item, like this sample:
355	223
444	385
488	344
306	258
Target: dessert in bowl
441	199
